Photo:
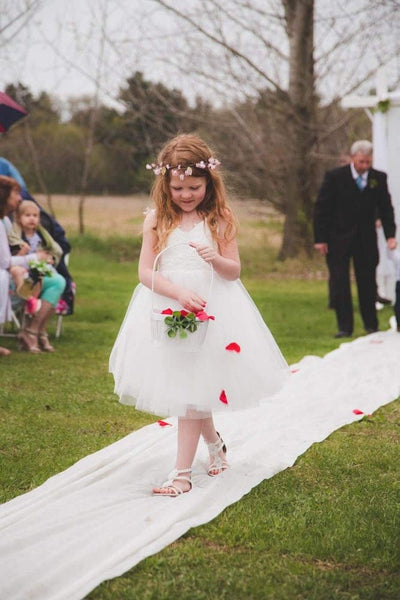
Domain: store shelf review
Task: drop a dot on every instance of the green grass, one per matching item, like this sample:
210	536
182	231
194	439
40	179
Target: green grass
328	528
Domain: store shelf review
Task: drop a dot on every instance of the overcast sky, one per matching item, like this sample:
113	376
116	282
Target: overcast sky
59	49
69	45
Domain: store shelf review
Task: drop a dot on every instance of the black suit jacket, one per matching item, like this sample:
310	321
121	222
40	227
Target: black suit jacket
345	215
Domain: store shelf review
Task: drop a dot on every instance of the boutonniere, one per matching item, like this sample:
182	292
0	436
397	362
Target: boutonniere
373	183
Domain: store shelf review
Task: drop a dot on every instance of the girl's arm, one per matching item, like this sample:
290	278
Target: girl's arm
188	299
225	260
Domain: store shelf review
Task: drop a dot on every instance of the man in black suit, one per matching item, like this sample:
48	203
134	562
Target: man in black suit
349	201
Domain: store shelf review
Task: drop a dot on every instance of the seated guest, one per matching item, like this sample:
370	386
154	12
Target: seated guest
27	236
66	303
10	197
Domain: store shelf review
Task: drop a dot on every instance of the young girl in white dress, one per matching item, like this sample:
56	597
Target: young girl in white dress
239	362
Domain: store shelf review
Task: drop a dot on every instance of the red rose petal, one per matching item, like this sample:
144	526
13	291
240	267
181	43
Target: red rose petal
294	370
164	423
233	347
167	311
223	397
201	315
357	411
184	312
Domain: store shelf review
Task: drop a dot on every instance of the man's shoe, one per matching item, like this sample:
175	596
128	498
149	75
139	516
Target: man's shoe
382	300
372	330
342	334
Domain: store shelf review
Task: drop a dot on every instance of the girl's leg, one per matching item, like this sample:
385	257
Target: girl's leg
189	430
33	337
52	290
216	447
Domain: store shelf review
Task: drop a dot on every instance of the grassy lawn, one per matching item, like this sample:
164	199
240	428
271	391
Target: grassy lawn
328	528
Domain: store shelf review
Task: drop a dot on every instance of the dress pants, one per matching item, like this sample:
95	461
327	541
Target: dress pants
339	285
397	304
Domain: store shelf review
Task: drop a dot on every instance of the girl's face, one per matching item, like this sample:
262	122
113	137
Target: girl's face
29	219
188	193
13	200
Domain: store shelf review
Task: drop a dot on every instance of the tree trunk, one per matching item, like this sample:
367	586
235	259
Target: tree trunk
86	169
92	121
36	165
302	128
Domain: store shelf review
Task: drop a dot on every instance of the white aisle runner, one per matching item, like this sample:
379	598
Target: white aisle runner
97	519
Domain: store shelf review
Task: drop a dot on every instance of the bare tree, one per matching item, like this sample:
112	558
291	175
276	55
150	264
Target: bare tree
93	115
303	51
14	16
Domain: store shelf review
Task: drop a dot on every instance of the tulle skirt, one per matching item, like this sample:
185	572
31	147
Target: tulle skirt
237	364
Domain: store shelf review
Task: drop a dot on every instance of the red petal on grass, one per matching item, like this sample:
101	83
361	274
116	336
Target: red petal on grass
233	347
357	411
164	423
223	397
167	311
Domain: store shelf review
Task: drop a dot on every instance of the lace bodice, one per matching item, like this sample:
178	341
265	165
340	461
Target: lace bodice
179	255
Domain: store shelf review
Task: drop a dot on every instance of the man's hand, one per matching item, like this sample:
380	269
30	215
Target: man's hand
391	243
322	248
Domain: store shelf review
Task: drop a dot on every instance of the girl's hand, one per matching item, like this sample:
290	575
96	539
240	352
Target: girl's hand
24	250
205	252
191	301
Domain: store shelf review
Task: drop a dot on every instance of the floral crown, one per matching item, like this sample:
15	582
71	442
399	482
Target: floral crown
182	170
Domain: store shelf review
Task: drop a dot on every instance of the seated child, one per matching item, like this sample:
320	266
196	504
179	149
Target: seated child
29	236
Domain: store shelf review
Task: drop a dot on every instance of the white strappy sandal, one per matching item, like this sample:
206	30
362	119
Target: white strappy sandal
175	475
217	463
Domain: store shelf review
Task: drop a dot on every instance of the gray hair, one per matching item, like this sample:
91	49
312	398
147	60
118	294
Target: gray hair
363	147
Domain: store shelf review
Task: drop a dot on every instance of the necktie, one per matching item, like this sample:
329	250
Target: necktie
360	182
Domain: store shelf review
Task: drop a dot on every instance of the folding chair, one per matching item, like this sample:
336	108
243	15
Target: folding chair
17	315
59	322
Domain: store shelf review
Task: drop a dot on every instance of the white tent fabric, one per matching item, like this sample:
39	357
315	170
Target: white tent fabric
98	519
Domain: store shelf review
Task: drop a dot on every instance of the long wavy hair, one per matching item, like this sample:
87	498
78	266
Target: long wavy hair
187	150
7	184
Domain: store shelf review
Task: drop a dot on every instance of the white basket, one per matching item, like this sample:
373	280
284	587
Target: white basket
191	343
159	330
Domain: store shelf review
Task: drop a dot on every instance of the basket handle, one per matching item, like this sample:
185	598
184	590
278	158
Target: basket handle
156	260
